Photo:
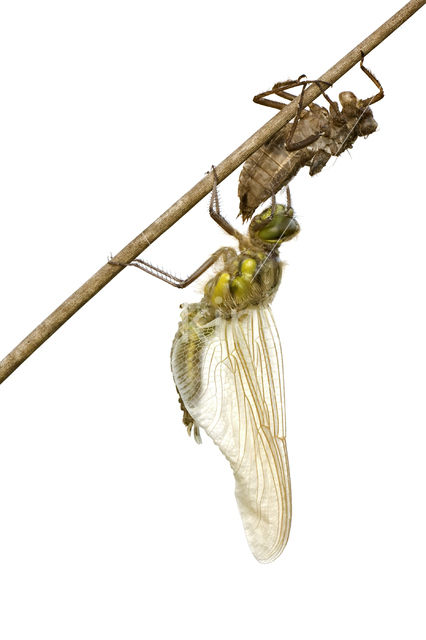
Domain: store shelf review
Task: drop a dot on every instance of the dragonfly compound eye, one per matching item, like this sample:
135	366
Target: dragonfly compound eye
276	227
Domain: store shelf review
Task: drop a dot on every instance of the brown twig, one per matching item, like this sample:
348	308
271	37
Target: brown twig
90	288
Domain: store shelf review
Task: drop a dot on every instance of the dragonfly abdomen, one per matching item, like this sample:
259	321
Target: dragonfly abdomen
267	171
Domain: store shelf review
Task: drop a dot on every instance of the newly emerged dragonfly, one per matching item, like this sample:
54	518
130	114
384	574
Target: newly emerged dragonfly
311	139
227	366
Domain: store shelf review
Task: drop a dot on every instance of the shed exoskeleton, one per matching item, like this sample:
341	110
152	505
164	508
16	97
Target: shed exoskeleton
315	135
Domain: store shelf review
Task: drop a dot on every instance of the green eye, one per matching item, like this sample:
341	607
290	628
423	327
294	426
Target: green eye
276	228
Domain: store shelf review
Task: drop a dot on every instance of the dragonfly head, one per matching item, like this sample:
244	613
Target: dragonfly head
274	225
359	109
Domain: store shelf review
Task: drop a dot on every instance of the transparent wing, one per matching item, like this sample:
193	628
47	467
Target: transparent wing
239	402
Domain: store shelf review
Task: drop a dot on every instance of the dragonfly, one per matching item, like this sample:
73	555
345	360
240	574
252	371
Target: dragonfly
311	139
226	361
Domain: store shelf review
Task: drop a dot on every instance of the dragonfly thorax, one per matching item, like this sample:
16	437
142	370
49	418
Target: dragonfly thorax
250	278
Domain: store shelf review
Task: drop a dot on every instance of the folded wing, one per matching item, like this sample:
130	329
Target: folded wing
240	404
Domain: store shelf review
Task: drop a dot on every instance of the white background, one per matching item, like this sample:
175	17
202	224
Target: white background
113	523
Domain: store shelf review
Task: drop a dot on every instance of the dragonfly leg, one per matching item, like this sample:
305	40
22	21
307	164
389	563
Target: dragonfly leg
287	190
378	96
179	283
259	224
295	146
214	210
279	89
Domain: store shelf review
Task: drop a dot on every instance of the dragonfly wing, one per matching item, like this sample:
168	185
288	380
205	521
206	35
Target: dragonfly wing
240	405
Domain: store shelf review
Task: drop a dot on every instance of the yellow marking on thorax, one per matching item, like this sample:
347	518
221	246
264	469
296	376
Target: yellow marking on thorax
240	285
221	289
